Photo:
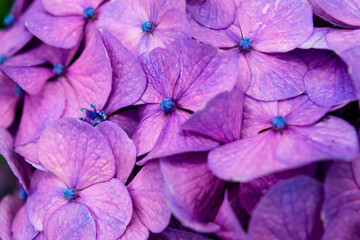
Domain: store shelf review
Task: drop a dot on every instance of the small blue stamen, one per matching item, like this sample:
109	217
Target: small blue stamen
22	194
19	91
70	194
2	59
167	105
94	117
245	44
9	20
58	69
147	27
279	122
89	12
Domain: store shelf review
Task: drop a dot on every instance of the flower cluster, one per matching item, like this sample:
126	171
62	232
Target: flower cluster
181	119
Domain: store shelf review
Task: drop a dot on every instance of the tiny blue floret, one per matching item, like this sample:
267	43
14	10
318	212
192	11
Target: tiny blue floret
279	122
167	105
19	91
58	69
245	44
22	194
2	59
147	27
9	20
94	117
70	194
89	12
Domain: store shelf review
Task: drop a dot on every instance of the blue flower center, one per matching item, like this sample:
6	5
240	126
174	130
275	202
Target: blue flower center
245	44
19	91
2	59
147	27
9	20
70	194
89	13
58	69
94	117
279	122
22	194
167	105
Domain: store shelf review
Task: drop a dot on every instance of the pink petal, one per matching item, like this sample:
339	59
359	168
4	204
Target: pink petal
69	7
46	195
123	149
91	74
111	207
21	226
146	191
275	76
9	206
72	221
76	152
8	100
129	80
39	111
220	119
135	230
62	32
275	26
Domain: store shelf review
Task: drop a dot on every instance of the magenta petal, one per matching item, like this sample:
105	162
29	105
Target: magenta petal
39	111
21	226
275	76
111	207
31	79
146	191
46	195
91	74
195	194
135	230
9	206
69	7
290	210
129	80
332	138
74	152
214	14
174	140
51	30
8	100
231	228
20	168
221	117
275	26
72	221
123	148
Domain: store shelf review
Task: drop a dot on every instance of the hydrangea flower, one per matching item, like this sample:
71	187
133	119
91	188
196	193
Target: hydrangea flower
62	24
180	79
142	25
282	135
260	35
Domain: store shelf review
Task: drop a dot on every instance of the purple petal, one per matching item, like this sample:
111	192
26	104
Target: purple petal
221	117
317	39
275	76
39	111
146	191
135	230
69	7
9	206
8	100
19	167
175	234
28	151
21	226
91	74
46	195
195	194
111	207
275	26
129	81
75	152
62	32
344	227
123	149
290	210
128	120
71	221
214	14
